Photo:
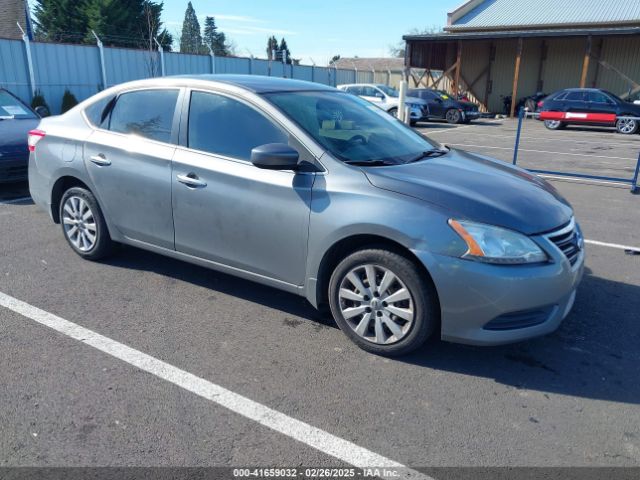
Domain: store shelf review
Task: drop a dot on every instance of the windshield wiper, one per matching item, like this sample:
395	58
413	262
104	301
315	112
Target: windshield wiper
370	163
434	152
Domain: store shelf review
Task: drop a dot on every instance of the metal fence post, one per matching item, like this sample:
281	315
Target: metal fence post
284	64
103	70
27	48
161	52
635	188
517	145
213	60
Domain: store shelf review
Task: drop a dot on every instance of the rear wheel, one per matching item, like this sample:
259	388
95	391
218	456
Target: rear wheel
453	116
383	302
554	124
627	126
393	112
83	224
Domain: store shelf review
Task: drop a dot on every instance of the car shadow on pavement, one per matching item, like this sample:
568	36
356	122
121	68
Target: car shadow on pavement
133	258
594	354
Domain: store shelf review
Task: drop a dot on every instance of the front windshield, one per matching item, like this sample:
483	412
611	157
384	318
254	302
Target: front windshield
352	129
392	92
12	108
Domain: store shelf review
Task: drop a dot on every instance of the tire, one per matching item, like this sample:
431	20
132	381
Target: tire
420	311
627	127
78	207
453	116
554	124
393	112
413	123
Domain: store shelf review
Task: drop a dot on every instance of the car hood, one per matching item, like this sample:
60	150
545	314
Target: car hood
480	189
13	136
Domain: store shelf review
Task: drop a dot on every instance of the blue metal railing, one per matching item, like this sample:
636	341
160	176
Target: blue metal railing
635	187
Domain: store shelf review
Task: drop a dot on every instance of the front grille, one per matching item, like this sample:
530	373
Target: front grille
568	240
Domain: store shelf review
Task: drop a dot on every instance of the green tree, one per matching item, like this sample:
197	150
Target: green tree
116	22
69	101
272	46
284	49
60	20
214	38
191	38
152	26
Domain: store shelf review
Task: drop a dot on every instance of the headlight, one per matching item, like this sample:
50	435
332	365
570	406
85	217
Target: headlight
497	245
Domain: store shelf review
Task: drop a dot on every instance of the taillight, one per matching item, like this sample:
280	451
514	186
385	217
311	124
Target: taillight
540	104
34	137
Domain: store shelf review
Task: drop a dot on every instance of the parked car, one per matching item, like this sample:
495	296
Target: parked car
444	106
307	189
16	119
388	99
588	106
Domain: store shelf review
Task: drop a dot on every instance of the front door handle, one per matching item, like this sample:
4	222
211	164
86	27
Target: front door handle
191	180
100	159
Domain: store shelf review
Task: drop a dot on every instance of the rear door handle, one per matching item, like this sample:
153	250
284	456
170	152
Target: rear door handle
100	159
191	181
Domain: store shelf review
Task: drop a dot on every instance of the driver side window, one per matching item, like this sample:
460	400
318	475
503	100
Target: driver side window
228	127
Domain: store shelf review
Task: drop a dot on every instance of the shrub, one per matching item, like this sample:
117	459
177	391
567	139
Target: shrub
38	100
68	101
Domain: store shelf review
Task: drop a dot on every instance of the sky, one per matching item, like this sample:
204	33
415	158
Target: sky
314	29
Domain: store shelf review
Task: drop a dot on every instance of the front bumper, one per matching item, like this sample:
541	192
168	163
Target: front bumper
473	294
471	115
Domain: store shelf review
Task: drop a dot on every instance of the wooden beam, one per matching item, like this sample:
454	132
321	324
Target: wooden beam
516	76
457	76
608	66
478	77
444	74
585	63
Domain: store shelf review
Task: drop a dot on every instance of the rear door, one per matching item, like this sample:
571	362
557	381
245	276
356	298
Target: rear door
575	104
227	210
129	161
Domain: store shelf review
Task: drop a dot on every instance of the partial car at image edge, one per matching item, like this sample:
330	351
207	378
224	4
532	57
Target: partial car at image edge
319	193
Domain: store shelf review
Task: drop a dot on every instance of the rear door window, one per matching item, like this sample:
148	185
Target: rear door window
228	127
147	113
575	97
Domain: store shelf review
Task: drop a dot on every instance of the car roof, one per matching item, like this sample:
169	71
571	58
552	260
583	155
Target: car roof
257	83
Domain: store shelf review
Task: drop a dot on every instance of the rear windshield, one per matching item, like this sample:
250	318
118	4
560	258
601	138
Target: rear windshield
11	107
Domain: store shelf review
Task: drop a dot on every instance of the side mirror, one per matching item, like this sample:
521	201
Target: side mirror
275	156
379	95
42	111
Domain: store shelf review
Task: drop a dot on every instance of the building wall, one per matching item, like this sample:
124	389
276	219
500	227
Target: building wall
12	11
562	67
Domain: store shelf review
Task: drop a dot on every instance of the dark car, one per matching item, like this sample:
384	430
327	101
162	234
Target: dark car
444	106
16	120
588	106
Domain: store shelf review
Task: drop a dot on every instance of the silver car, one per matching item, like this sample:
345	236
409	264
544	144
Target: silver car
317	192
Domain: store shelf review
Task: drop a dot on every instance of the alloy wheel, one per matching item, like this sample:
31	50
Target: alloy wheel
376	304
79	223
626	125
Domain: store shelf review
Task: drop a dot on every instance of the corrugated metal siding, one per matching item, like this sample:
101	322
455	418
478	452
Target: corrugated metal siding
13	74
623	54
77	67
563	66
512	13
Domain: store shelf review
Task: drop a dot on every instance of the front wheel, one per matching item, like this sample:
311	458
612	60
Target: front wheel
627	126
83	224
382	301
393	112
453	116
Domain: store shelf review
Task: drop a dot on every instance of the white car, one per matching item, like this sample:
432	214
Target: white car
388	99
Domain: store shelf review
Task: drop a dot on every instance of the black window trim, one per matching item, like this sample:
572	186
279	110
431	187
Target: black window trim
184	127
109	107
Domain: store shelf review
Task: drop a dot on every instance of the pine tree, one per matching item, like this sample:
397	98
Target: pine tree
191	38
60	20
214	38
116	22
284	49
272	46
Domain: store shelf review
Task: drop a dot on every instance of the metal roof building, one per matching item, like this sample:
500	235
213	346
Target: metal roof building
493	48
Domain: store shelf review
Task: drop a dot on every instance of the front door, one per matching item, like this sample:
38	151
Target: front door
129	162
229	211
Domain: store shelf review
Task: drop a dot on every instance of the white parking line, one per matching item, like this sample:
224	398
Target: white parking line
15	200
314	437
451	129
585	181
613	245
